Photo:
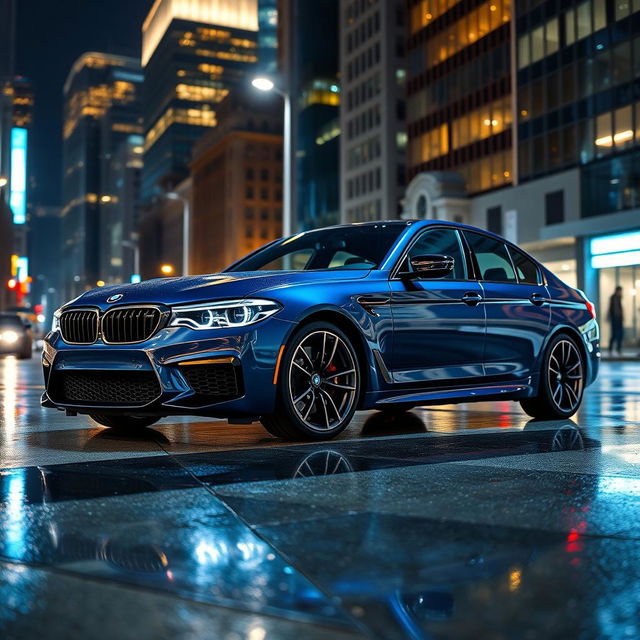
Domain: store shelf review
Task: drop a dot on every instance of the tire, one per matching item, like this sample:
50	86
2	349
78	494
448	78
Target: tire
123	422
561	384
319	385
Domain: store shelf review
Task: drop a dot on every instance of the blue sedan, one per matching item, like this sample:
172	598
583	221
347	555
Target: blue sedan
308	329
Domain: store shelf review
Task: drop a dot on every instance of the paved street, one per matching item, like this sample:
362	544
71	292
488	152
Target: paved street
465	521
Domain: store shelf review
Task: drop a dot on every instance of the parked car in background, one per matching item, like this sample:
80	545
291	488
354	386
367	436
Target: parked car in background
16	336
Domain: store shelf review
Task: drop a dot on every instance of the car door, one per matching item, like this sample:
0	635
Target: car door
438	324
516	303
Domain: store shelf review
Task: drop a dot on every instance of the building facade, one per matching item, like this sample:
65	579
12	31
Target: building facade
373	139
309	67
574	194
102	110
237	182
193	53
459	90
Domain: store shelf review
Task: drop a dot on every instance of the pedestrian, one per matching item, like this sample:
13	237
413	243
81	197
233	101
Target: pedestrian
615	317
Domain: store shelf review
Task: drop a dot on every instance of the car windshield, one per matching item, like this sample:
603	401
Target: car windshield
356	247
9	321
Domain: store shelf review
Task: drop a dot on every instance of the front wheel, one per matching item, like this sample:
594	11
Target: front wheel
561	382
124	423
319	385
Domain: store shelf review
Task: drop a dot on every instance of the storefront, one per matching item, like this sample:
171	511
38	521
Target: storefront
615	258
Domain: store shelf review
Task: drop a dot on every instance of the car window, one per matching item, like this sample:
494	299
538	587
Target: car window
442	242
349	247
526	268
492	258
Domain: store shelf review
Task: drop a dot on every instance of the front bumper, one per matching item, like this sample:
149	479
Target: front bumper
173	361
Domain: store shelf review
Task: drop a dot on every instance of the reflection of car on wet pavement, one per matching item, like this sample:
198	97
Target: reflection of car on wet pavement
16	336
301	333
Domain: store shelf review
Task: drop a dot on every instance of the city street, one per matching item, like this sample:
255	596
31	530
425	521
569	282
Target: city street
450	522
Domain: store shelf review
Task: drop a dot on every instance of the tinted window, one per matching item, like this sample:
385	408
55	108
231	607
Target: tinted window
492	258
357	247
526	268
443	242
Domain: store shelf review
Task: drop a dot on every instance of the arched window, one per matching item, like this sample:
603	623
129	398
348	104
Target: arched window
421	207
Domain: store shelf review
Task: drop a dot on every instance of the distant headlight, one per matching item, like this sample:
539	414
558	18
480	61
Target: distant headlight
9	337
218	315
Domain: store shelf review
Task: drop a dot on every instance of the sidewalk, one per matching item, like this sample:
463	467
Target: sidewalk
628	355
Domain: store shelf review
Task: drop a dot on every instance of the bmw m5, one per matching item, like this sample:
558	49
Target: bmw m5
308	329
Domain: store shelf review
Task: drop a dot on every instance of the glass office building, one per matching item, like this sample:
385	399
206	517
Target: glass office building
101	110
459	88
193	53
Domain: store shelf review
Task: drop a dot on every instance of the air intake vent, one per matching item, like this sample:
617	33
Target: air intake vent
216	382
79	326
105	388
130	324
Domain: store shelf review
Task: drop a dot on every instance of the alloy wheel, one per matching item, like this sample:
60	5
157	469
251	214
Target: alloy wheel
323	380
565	376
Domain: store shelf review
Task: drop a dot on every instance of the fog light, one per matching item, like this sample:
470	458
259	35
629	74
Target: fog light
9	336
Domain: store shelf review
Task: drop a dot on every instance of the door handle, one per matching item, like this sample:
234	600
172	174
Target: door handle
471	298
537	299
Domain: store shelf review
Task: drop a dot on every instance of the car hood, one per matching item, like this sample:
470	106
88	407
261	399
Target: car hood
220	286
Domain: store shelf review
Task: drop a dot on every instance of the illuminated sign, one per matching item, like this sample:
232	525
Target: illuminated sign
18	195
23	269
619	250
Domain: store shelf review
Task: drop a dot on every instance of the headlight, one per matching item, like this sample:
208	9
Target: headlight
9	337
55	324
230	313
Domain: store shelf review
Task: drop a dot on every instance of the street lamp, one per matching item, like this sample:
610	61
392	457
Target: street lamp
266	84
3	181
186	228
167	269
135	247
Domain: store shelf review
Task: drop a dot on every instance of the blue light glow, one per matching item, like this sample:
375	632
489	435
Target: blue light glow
18	195
619	250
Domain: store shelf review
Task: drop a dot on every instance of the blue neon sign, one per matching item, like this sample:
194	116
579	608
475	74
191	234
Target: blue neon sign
619	250
18	194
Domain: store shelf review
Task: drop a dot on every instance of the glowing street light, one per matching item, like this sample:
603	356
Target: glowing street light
3	181
263	83
167	269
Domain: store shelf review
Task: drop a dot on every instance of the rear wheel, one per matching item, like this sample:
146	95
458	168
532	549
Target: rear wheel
561	382
123	423
318	385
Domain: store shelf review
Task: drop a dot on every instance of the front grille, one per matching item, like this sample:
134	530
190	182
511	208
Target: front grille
105	388
215	381
130	324
79	326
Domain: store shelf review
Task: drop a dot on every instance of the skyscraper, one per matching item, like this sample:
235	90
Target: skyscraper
101	110
237	181
193	53
575	203
268	36
459	91
308	35
373	136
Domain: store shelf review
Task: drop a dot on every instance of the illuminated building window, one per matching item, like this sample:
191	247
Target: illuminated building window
481	123
234	14
475	25
196	93
204	117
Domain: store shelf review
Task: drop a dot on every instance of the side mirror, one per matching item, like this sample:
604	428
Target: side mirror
430	266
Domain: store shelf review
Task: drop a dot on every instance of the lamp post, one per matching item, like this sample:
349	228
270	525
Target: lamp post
135	247
186	228
266	84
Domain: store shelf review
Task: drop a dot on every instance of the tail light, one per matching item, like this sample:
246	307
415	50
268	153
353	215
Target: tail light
591	308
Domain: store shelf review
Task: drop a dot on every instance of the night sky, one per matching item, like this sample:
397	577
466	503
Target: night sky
50	37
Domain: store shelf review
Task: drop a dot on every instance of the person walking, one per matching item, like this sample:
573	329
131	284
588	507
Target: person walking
616	320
